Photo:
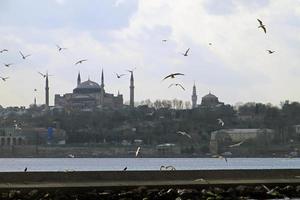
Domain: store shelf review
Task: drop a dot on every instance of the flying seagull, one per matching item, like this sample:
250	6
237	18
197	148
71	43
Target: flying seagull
80	61
164	40
186	52
4	78
24	56
184	134
137	151
220	121
3	50
272	192
270	51
7	64
237	144
176	84
261	25
119	75
60	48
173	75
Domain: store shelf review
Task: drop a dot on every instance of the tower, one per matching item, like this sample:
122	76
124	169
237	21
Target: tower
194	97
47	90
78	79
131	90
102	89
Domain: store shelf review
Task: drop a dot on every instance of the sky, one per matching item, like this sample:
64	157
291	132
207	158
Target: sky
115	35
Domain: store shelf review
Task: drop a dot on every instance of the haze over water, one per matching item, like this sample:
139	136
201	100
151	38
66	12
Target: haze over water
118	164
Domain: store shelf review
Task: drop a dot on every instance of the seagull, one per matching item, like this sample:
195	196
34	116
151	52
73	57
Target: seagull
25	170
119	75
80	61
272	192
220	121
164	40
4	78
270	51
7	64
176	84
24	57
60	48
186	52
173	75
125	169
237	144
184	133
137	151
261	25
3	50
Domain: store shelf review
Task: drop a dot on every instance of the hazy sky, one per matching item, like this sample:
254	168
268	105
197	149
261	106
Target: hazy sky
121	34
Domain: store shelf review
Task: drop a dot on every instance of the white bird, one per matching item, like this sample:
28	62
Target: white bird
24	56
173	75
60	48
270	51
3	50
261	25
237	144
176	84
80	61
184	134
71	156
137	151
220	121
7	64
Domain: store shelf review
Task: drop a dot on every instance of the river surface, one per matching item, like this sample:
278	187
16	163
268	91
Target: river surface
115	164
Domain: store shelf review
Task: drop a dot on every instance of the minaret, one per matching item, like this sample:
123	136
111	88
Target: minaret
194	97
78	79
102	89
34	101
47	90
131	90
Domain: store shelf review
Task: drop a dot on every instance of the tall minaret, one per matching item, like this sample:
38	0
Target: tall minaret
194	97
47	90
102	80
102	89
78	79
131	90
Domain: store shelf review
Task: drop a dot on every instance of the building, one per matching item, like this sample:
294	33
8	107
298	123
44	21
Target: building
210	100
88	95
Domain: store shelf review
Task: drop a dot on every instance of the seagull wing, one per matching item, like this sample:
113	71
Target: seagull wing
137	151
264	28
177	74
21	54
181	86
170	85
168	76
260	22
187	51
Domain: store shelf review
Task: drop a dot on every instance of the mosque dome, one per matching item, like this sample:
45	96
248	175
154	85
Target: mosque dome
87	87
209	100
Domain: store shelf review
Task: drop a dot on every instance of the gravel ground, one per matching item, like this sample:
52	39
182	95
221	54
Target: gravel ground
238	192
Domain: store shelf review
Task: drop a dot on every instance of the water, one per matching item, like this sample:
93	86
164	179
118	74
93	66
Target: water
115	164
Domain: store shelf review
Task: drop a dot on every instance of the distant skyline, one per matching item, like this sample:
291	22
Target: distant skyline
121	34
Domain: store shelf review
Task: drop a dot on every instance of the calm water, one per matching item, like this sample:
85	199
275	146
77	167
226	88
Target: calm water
98	164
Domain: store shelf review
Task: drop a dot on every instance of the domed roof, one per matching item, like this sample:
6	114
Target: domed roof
210	96
88	85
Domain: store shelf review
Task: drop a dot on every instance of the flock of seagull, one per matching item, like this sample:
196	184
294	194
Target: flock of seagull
170	76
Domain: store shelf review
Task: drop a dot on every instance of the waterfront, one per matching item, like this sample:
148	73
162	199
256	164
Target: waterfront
116	164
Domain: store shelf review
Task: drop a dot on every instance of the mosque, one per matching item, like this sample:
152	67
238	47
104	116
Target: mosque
208	100
89	94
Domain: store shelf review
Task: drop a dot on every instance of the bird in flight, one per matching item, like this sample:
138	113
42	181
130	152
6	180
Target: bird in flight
173	75
137	151
119	75
270	51
261	25
186	52
164	40
60	48
4	78
7	64
184	134
24	56
237	144
3	50
221	122
80	61
176	84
